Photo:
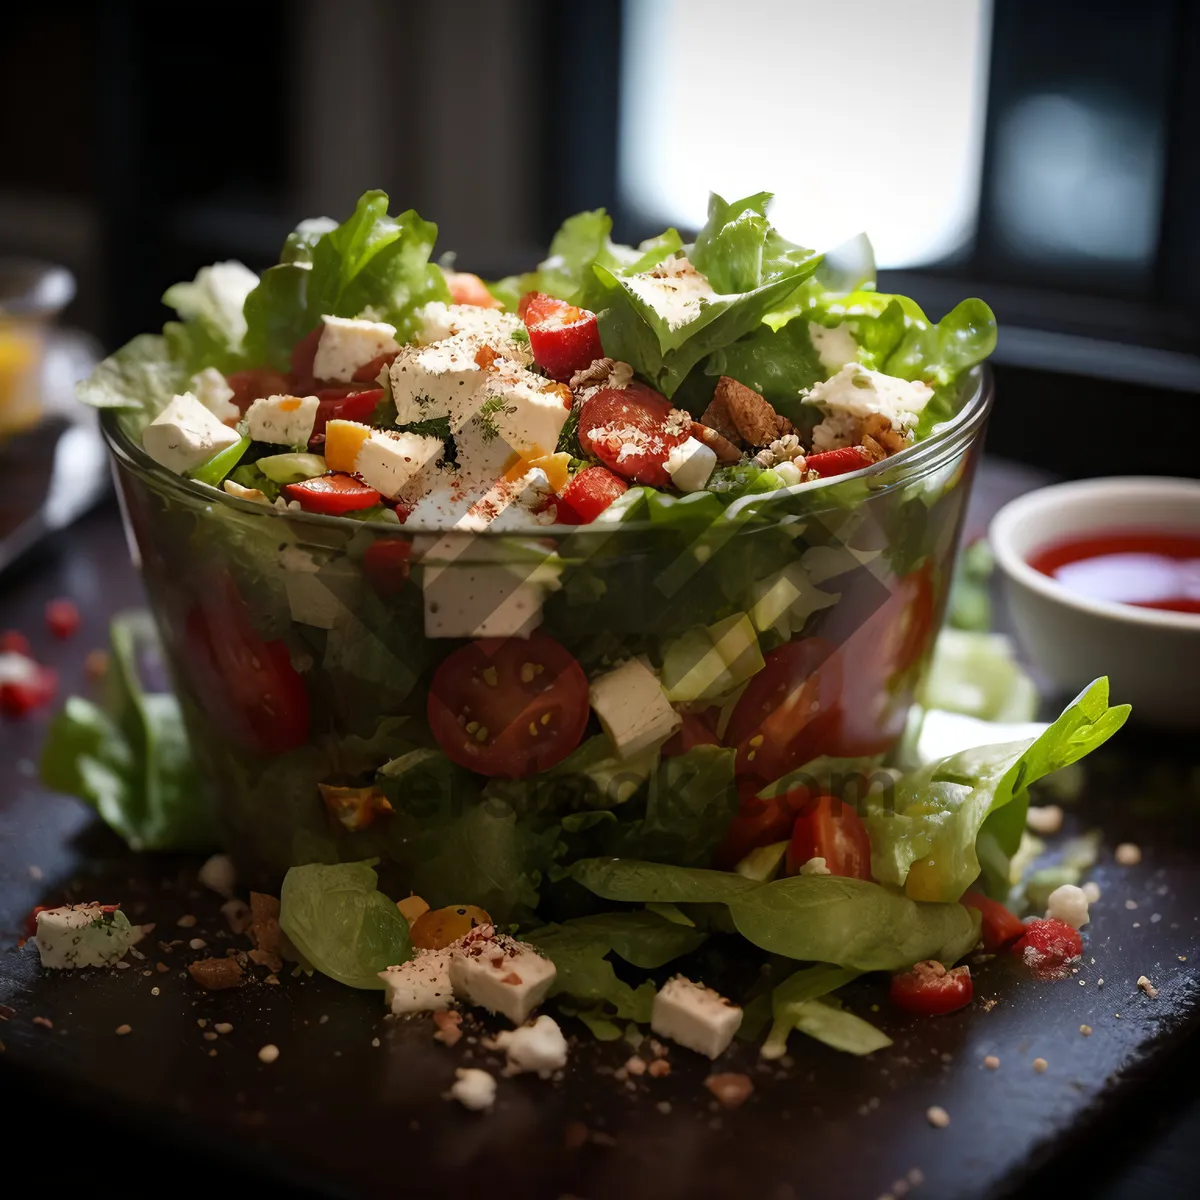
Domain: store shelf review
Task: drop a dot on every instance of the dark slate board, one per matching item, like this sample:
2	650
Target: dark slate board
339	1113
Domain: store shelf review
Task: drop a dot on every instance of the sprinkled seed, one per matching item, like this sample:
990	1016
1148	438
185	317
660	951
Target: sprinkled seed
489	676
268	1054
1086	1030
481	734
224	1027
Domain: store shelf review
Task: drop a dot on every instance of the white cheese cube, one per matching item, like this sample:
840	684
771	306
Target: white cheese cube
1068	904
690	464
283	420
473	1089
440	321
856	391
309	598
483	456
185	434
695	1016
539	1046
835	345
213	391
82	935
441	380
524	416
500	974
474	600
396	463
420	985
633	708
345	345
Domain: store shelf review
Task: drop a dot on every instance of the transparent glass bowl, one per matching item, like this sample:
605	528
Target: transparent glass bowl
298	644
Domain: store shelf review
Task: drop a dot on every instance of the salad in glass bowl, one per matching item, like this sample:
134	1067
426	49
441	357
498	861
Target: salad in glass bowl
589	604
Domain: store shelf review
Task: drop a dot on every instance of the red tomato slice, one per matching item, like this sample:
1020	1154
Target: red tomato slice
787	714
247	686
758	823
20	697
386	565
369	372
692	733
256	384
13	641
838	462
332	495
929	990
466	288
304	354
1000	927
62	617
564	339
339	404
632	430
509	707
1048	945
829	828
588	494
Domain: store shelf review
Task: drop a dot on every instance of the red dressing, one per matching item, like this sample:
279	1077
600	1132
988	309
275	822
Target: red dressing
1150	570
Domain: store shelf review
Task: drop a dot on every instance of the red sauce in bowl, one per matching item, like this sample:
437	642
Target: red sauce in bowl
1129	566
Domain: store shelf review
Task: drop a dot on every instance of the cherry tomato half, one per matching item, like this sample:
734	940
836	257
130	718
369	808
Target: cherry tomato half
829	828
466	288
758	823
929	990
256	384
588	494
509	706
1000	927
564	339
632	430
787	713
692	733
1048	945
246	685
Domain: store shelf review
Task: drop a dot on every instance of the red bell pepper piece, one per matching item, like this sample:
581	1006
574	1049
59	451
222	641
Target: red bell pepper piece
838	462
564	339
369	372
342	404
334	495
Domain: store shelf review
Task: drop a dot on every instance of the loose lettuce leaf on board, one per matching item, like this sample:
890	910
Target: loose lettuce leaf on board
342	924
924	833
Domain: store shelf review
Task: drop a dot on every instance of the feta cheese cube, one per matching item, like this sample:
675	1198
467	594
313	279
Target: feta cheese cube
185	434
282	420
539	1046
856	391
420	985
633	708
82	935
439	380
345	345
695	1016
476	600
211	389
440	321
500	974
690	464
524	416
309	597
834	344
1068	904
473	1089
483	457
394	463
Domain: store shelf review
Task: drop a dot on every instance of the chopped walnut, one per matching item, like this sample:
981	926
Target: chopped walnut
718	443
449	1027
216	974
737	411
597	373
784	449
732	1090
879	430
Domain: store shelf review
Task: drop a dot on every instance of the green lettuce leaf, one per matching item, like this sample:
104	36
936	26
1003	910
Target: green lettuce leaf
923	834
129	759
342	924
739	250
826	1021
978	674
212	326
141	376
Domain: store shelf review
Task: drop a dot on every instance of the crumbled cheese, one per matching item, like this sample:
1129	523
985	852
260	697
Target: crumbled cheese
185	434
857	391
213	391
514	407
420	985
1091	889
1068	904
395	464
674	289
440	321
219	874
1045	818
695	1016
1128	854
815	866
835	345
473	1089
82	935
539	1046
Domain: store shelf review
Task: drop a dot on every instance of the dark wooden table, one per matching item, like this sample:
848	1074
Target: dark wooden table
353	1105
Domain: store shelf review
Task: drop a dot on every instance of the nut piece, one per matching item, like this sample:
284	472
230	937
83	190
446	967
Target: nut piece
1044	818
937	1116
1128	854
740	413
1147	987
731	1089
720	445
216	974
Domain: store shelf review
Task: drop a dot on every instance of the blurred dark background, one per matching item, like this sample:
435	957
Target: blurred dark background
1038	153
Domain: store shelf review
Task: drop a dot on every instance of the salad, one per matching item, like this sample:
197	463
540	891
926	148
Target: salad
587	606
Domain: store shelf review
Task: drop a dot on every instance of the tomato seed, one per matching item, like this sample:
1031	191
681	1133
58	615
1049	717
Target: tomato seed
481	734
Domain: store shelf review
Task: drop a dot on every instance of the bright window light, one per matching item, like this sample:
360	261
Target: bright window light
858	115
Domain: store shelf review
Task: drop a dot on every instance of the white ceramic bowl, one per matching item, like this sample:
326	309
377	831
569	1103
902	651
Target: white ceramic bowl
1151	656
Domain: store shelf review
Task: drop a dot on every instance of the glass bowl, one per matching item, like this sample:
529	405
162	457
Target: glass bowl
302	653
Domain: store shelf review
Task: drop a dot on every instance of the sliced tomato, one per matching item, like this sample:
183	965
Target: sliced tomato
369	372
759	822
838	462
246	685
34	688
304	355
13	641
334	494
386	565
256	384
694	732
930	990
466	288
787	714
343	404
588	494
1000	927
829	828
632	430
62	617
564	339
1047	945
509	707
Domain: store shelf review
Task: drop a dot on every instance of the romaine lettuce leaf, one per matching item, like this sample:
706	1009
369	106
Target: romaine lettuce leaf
342	924
826	1021
739	250
977	674
923	834
212	326
141	376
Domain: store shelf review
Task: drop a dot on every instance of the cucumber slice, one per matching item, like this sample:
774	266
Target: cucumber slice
708	661
291	468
